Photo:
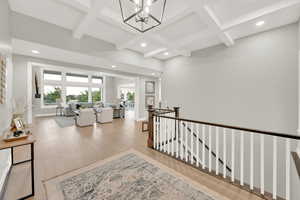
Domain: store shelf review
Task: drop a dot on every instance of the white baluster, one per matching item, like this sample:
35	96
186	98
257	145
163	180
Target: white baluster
262	164
197	142
177	138
217	150
154	132
181	139
172	136
186	142
203	146
287	166
274	167
232	154
224	153
165	134
192	142
242	159
209	146
251	160
161	133
168	136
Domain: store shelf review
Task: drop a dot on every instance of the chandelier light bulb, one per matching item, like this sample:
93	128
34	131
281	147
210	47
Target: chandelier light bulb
137	2
147	10
149	2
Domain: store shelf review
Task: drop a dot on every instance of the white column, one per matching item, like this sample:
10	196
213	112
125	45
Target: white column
137	99
298	148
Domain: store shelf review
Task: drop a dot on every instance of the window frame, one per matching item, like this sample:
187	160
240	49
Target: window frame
63	83
53	85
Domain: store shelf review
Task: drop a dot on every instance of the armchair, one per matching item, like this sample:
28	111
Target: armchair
104	115
85	117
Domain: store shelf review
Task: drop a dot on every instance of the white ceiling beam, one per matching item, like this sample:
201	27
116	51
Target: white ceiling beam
260	13
208	16
155	52
114	19
77	4
82	27
169	45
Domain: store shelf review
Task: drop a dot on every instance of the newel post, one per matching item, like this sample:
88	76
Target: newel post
150	126
176	109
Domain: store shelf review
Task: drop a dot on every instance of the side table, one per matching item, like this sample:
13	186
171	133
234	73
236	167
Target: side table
22	142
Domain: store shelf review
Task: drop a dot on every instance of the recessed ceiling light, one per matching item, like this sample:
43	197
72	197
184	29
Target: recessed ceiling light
113	66
144	44
260	23
152	74
35	51
166	53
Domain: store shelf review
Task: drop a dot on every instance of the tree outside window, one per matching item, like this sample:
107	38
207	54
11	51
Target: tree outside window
80	94
130	96
96	94
51	94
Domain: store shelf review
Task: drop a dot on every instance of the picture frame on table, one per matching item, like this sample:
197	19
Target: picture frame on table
19	124
149	87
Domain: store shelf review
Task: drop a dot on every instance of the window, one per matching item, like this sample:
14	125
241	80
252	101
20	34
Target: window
51	94
96	94
77	78
80	94
97	80
69	86
52	75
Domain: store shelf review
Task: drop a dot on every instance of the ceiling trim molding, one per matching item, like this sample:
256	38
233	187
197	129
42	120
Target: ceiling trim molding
155	52
23	47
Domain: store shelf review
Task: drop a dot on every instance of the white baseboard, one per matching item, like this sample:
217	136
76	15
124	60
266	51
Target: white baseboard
45	115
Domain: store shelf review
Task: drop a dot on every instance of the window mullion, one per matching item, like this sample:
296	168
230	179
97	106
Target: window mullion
63	88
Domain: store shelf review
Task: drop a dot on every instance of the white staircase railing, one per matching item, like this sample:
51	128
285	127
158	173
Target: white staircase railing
259	161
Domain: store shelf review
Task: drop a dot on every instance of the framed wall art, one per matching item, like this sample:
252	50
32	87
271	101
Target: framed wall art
2	79
149	100
149	87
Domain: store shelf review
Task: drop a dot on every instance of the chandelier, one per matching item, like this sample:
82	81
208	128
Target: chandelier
142	15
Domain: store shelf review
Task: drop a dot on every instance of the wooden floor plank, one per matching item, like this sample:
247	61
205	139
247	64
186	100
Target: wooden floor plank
59	150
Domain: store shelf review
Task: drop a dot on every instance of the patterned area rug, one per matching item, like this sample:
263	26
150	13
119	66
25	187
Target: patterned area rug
64	122
128	176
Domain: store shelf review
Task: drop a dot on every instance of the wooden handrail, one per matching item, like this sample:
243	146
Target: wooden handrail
283	135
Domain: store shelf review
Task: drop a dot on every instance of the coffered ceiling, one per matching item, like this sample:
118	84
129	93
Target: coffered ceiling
188	25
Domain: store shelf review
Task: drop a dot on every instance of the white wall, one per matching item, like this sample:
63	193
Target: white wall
5	109
251	84
140	93
5	49
110	92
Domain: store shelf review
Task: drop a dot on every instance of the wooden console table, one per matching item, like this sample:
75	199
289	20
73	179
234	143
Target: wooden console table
23	142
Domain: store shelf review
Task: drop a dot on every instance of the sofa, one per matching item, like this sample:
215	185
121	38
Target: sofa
74	106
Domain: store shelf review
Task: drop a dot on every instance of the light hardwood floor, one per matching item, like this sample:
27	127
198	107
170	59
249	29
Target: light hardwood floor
59	150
